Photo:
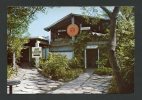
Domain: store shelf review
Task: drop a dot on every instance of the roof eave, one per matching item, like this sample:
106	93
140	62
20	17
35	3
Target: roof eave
48	28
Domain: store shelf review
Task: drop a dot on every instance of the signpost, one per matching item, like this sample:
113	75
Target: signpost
37	53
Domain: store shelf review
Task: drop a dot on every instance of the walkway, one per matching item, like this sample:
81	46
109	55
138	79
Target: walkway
34	83
86	83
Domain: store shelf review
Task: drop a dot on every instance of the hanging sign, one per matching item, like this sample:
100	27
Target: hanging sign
36	52
72	30
85	28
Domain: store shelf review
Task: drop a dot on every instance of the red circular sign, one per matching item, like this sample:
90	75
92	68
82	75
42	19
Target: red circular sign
72	30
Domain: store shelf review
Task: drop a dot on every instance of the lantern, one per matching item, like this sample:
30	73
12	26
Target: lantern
72	30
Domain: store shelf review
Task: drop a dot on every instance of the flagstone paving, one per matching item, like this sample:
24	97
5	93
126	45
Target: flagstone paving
32	82
85	84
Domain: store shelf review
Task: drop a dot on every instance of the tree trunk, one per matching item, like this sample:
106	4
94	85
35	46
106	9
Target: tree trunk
112	56
14	61
112	46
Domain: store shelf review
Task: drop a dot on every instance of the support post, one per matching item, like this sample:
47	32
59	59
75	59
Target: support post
98	57
85	59
72	21
29	54
14	61
37	58
10	89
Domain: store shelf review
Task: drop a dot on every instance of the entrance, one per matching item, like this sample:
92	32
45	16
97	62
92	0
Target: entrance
25	56
91	58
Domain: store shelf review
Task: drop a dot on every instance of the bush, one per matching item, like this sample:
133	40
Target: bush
128	79
73	73
10	71
113	88
127	75
74	63
57	67
103	71
33	62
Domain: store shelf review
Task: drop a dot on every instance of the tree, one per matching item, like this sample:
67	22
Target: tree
121	45
112	47
18	19
125	46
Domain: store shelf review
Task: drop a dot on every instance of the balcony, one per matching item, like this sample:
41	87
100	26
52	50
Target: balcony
61	42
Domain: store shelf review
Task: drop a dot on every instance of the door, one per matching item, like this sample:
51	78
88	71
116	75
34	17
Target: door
91	57
25	56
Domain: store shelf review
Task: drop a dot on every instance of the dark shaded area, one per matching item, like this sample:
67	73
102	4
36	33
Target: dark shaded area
92	57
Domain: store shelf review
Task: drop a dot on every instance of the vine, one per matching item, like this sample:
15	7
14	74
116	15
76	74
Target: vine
80	44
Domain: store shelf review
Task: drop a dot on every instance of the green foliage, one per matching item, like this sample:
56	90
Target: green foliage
18	20
103	56
79	45
57	67
10	71
72	73
103	71
113	88
126	43
125	46
125	49
33	62
16	44
129	87
74	63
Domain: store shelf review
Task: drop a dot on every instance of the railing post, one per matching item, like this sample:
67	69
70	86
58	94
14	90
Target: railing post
10	89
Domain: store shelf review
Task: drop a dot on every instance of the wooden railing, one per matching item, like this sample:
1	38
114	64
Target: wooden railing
11	83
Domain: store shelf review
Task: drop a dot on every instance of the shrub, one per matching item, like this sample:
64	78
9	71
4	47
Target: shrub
73	73
33	62
57	67
10	71
113	88
74	63
103	71
128	79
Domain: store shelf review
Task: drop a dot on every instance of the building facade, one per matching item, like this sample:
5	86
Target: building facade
62	43
26	53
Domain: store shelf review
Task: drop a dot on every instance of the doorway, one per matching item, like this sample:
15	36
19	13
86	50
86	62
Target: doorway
91	58
25	56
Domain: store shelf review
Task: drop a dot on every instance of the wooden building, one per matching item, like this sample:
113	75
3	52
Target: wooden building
26	53
61	42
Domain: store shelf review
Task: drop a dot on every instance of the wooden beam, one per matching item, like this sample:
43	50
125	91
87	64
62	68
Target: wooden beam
72	22
98	57
85	59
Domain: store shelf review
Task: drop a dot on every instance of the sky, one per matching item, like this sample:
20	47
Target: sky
36	28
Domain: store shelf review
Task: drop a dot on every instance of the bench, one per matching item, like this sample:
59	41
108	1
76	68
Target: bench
11	83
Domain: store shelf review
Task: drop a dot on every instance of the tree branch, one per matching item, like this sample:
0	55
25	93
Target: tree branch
115	11
106	10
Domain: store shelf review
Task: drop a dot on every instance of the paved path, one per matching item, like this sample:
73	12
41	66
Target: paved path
86	83
32	82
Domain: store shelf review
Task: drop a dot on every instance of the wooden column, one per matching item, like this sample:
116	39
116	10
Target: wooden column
10	89
98	57
14	61
37	58
72	22
29	54
85	59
